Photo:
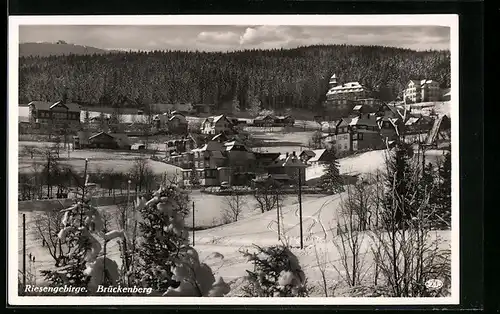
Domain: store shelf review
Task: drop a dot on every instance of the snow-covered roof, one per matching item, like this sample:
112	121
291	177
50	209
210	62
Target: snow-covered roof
423	82
263	117
100	133
317	154
351	87
412	120
357	107
217	118
288	161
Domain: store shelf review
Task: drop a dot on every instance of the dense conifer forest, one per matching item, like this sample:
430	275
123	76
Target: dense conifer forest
279	78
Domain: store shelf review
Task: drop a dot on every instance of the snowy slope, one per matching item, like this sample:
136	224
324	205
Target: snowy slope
368	162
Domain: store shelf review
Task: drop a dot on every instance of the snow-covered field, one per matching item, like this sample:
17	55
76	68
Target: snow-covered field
319	221
119	161
364	163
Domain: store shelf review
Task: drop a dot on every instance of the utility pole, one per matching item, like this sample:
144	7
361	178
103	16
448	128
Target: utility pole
193	223
125	218
48	176
278	215
83	190
300	210
24	251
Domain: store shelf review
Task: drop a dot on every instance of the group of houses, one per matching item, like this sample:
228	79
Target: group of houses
224	158
373	124
273	121
349	94
368	128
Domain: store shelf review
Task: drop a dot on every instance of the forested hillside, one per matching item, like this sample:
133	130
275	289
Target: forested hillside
296	78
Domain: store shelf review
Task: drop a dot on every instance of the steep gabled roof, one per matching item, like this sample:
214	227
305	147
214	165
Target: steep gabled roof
309	153
219	117
264	117
318	153
99	134
288	161
45	105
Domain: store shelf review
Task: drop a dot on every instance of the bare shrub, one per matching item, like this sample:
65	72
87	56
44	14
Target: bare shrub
234	205
268	195
47	226
321	263
406	255
349	235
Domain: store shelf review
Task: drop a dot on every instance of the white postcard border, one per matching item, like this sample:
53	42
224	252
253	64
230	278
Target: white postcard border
449	20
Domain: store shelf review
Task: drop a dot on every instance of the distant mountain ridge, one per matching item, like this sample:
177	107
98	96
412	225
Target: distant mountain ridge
60	48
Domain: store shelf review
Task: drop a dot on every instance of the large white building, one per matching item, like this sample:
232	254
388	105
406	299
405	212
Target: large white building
343	94
422	91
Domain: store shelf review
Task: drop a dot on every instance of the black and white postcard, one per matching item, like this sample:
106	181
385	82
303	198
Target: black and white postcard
245	159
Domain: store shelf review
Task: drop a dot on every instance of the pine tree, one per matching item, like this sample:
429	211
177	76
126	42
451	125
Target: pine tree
331	181
399	178
444	193
426	191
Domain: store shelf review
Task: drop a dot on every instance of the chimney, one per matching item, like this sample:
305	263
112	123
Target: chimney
293	154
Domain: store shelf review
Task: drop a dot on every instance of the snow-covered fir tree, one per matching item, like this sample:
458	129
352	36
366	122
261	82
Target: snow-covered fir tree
276	273
331	181
166	262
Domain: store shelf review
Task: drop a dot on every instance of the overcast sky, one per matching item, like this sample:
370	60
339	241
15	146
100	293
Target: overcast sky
227	38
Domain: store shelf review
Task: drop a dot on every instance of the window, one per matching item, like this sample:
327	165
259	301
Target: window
345	146
360	136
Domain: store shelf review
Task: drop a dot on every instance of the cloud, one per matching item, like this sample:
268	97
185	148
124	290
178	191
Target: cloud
218	38
235	37
266	34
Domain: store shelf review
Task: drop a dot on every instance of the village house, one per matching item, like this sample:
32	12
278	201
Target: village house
422	91
101	140
202	163
317	157
241	162
353	134
390	128
216	124
418	124
264	121
177	123
58	114
284	120
263	160
287	168
179	146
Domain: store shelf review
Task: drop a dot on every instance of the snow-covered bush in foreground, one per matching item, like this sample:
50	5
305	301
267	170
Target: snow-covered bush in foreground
166	262
276	273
